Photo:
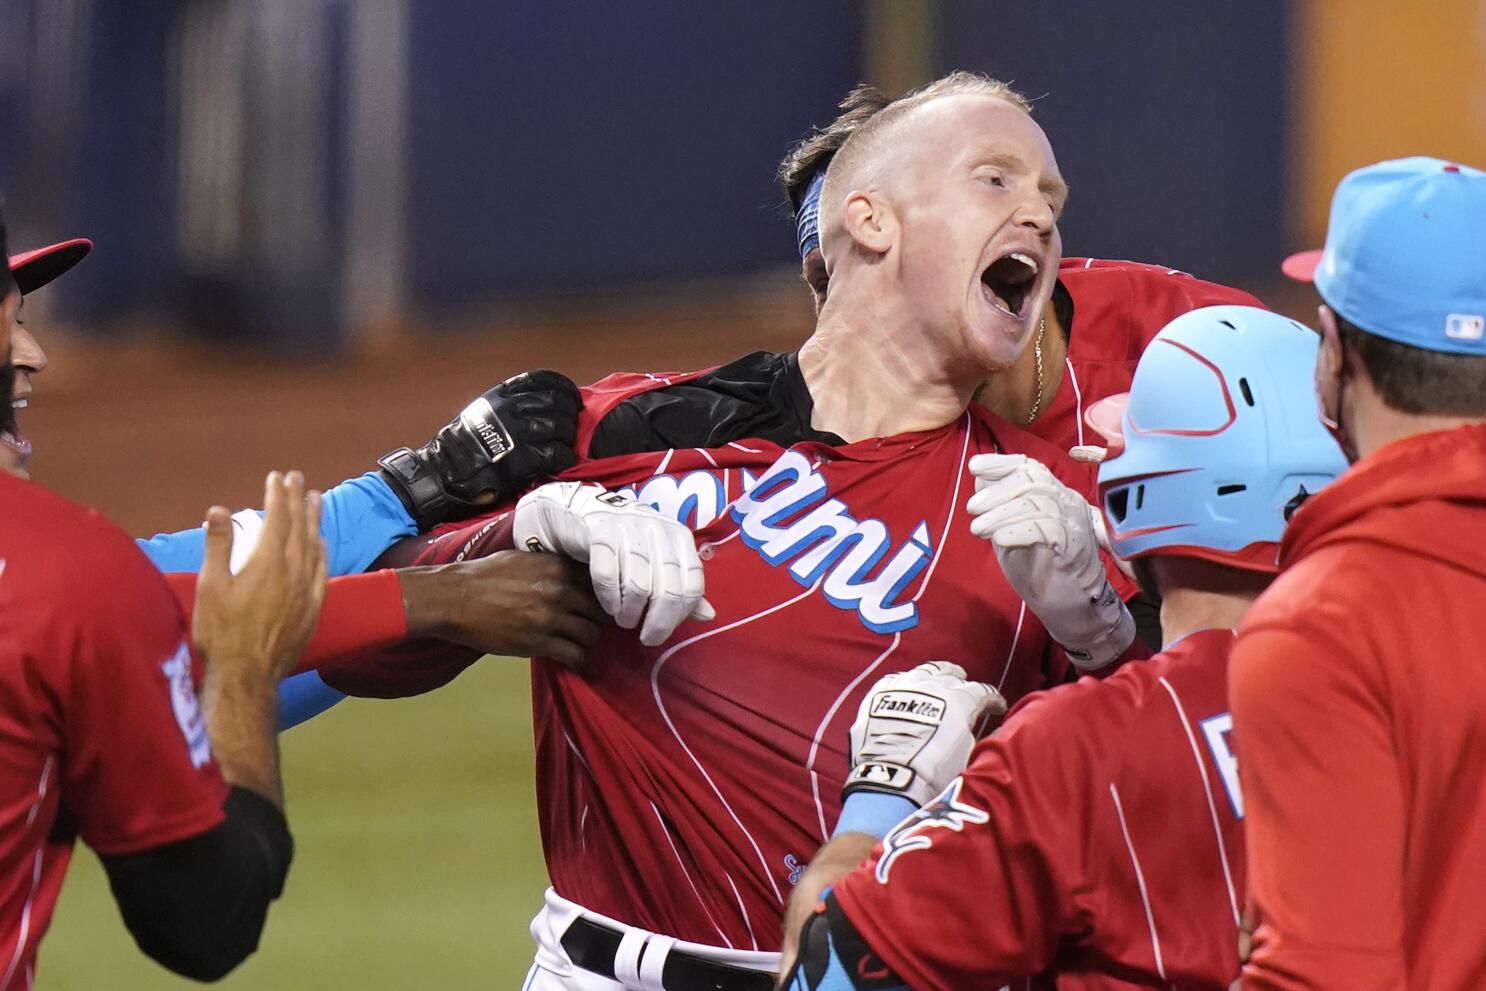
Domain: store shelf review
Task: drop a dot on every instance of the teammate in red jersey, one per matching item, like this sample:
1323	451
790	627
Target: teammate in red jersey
682	786
1097	833
101	734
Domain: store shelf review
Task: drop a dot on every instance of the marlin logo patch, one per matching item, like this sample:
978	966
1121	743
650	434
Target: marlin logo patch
917	831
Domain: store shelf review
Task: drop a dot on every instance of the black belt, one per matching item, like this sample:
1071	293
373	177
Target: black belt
593	946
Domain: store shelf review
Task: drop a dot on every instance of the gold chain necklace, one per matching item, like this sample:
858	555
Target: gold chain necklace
1037	353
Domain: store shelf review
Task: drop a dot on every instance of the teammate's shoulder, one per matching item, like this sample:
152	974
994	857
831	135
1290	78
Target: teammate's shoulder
1330	587
1137	283
1094	271
1098	706
1097	268
34	515
57	550
1194	668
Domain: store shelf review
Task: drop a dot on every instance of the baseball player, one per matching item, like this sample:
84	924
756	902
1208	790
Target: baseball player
101	733
1359	696
1096	835
514	434
685	783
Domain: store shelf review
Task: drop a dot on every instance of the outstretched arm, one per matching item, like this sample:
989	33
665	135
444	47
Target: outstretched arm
390	634
362	518
513	435
510	437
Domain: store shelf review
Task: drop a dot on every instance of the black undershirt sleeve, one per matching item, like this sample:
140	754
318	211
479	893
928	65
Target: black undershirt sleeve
761	395
197	906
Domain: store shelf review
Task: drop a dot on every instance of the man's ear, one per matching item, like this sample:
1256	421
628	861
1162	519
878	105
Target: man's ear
1331	339
869	222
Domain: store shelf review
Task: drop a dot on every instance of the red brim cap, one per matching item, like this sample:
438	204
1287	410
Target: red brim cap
1106	417
1302	266
34	269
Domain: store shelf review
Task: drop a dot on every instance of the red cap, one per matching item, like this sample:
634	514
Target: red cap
1302	266
34	269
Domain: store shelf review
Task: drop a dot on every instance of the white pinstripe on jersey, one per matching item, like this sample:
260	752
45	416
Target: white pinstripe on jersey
1208	793
25	931
660	704
1078	400
1145	896
666	832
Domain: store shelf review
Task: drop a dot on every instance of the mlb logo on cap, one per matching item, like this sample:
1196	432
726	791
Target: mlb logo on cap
1464	327
1405	254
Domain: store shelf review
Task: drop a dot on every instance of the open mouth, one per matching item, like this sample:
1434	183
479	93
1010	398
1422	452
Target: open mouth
1008	282
10	434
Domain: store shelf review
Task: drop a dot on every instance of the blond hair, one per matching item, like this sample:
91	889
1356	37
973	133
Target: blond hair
865	142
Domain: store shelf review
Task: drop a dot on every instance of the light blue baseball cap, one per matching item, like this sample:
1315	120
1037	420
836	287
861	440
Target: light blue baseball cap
1405	254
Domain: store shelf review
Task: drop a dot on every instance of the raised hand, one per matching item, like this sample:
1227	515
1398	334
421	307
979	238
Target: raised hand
1045	537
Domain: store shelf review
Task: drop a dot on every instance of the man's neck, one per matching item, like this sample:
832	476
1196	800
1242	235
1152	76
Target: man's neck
869	377
1197	594
1013	394
1185	611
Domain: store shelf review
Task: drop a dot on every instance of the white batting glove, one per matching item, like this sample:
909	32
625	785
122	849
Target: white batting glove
915	729
639	560
1047	539
247	530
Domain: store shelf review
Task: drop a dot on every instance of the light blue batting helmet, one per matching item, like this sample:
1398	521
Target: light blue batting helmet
1218	440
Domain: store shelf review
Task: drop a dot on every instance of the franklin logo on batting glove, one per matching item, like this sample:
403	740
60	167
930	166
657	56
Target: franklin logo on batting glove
914	731
919	708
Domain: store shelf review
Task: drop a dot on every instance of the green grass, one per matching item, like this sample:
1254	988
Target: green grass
417	865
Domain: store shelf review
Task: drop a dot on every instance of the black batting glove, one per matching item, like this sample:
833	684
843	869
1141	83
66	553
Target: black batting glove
513	436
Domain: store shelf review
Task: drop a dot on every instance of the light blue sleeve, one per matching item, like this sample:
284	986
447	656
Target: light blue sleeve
873	813
362	517
303	697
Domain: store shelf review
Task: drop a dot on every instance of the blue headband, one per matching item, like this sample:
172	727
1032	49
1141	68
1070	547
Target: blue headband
807	218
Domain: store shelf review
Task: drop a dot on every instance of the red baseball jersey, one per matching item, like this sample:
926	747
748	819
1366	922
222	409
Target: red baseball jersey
1095	835
1359	687
1118	306
100	733
683	788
